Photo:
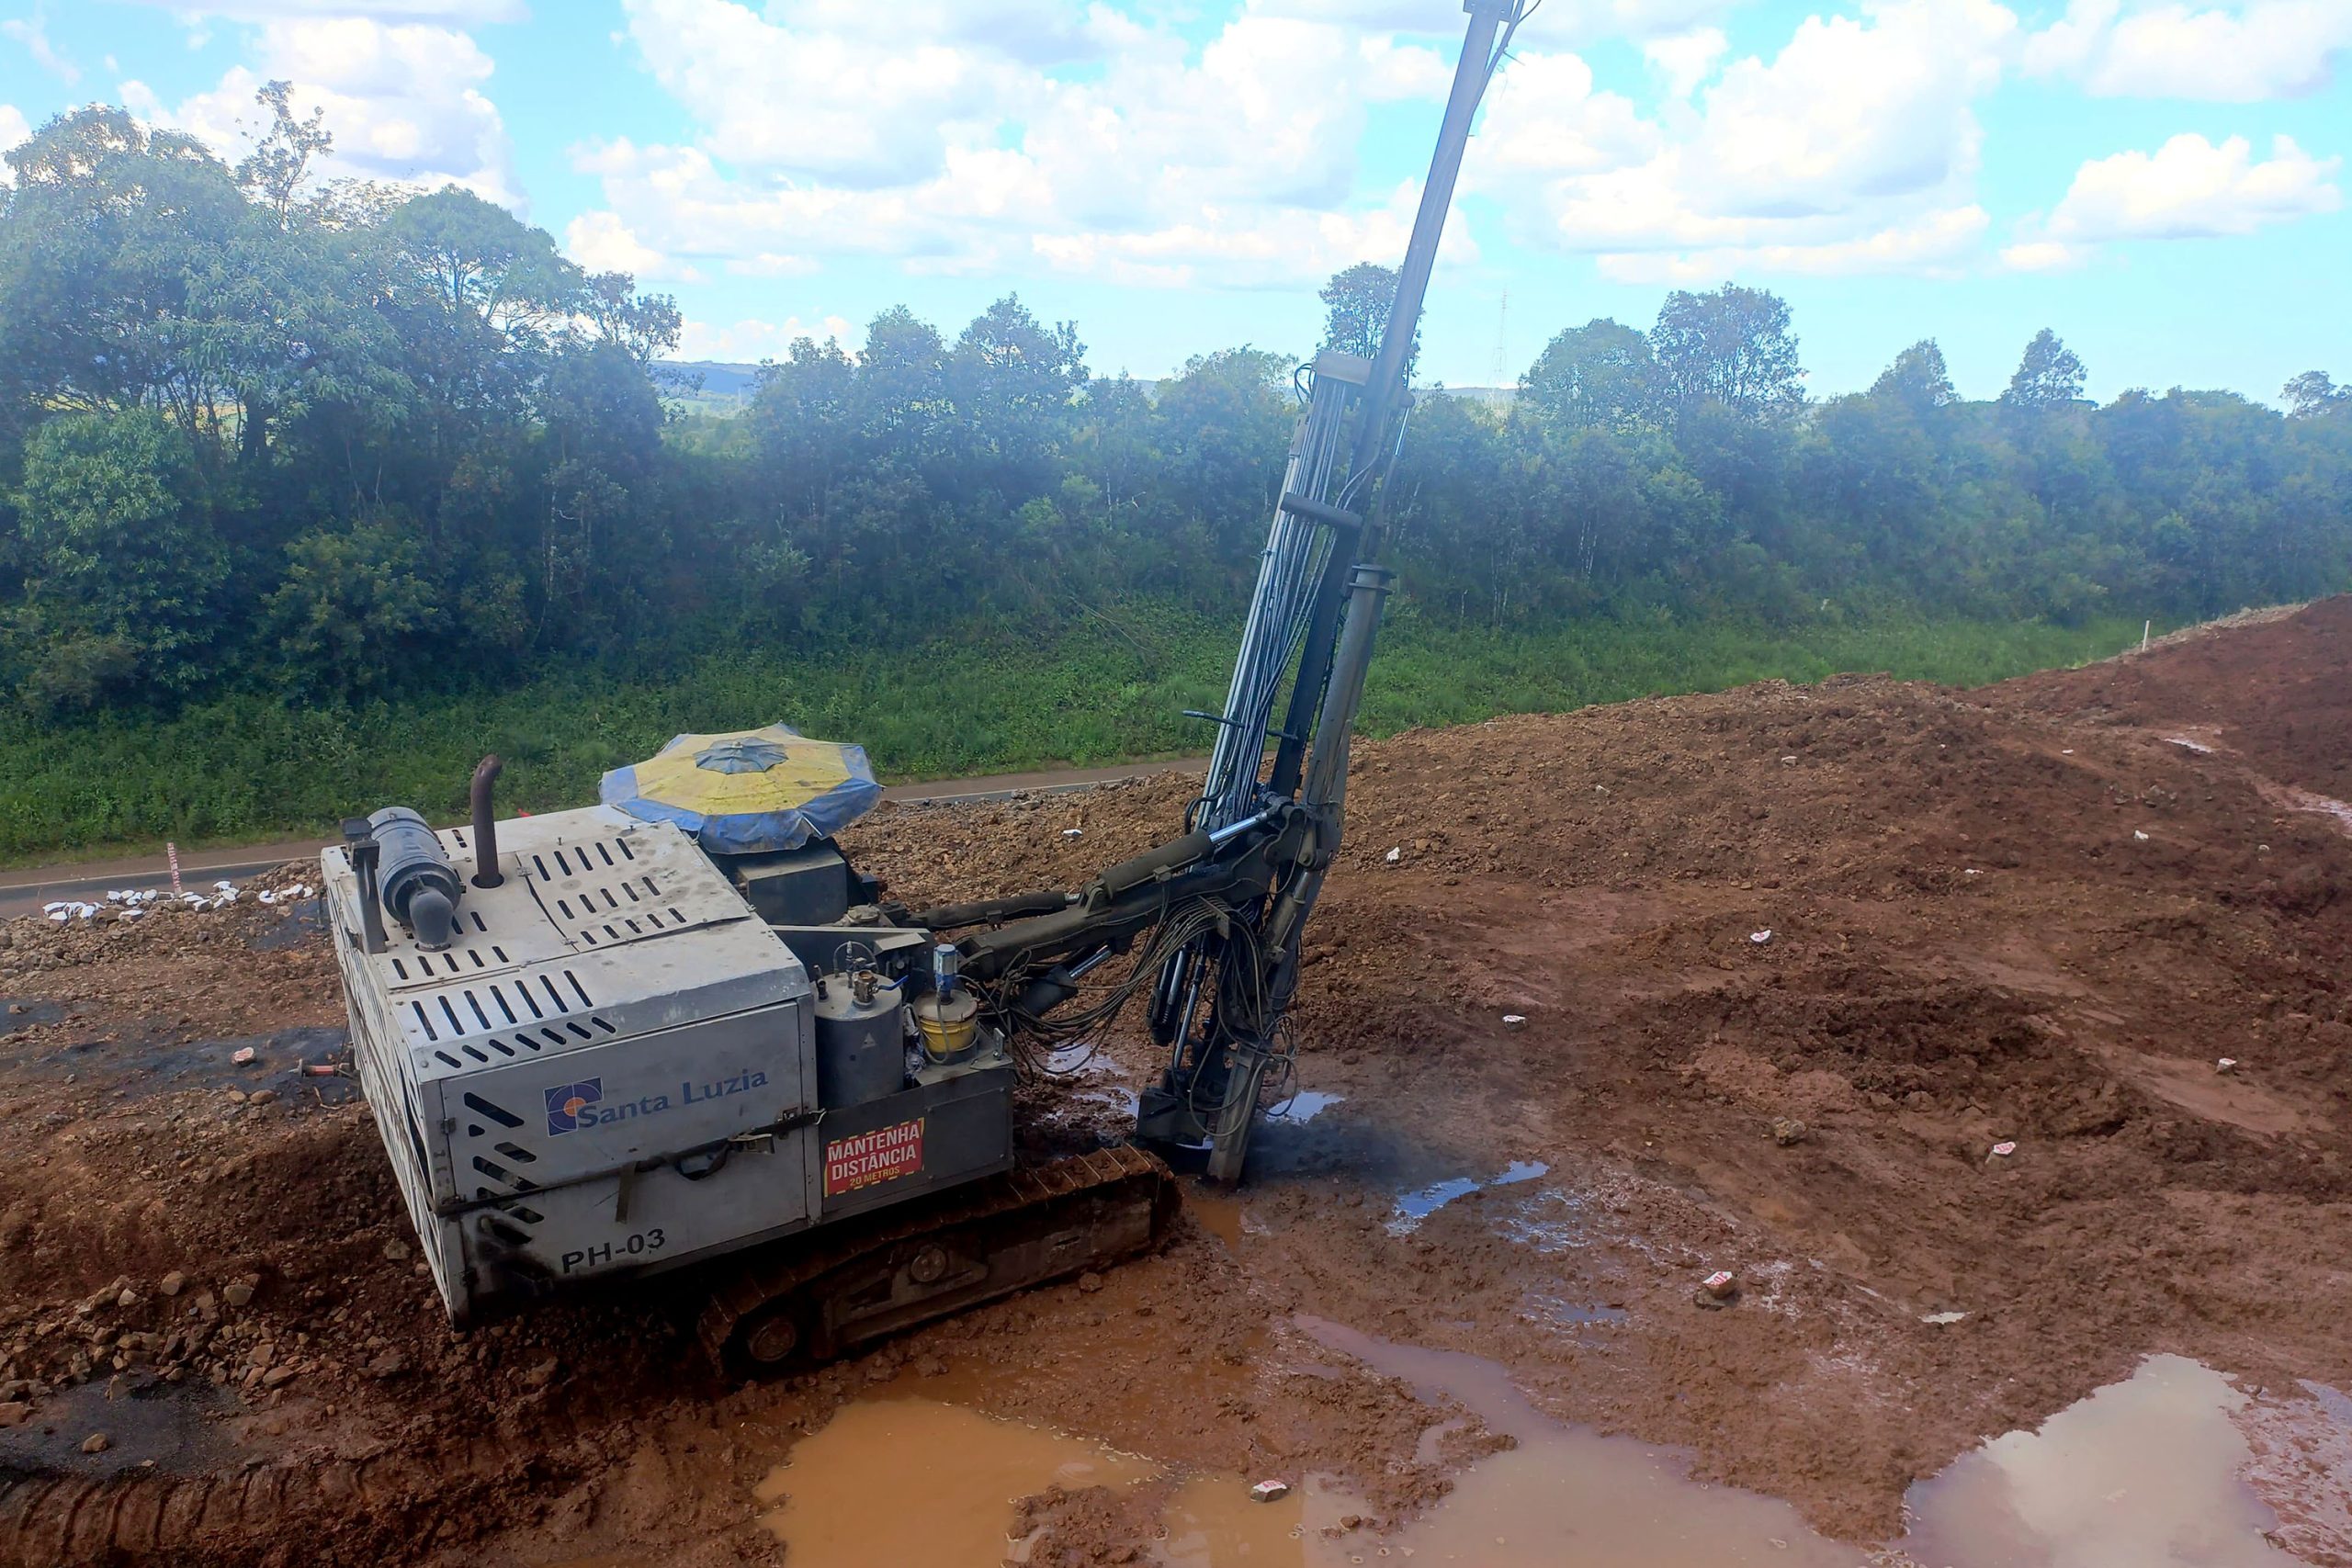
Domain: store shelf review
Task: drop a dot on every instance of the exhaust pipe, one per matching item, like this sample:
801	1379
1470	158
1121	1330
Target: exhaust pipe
486	871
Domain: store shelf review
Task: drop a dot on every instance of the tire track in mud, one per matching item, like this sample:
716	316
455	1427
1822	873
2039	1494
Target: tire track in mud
373	1510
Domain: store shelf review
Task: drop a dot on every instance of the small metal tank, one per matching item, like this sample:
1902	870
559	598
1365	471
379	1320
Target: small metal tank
861	1040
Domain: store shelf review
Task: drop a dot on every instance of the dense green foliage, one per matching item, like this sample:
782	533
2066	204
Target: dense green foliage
360	479
248	765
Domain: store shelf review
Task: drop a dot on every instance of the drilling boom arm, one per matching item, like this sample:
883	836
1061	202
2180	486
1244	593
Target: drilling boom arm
1220	910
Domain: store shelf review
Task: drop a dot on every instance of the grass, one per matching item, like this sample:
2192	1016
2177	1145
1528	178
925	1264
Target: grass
251	767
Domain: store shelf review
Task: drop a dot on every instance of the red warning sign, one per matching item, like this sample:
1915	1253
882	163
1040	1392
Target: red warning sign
883	1154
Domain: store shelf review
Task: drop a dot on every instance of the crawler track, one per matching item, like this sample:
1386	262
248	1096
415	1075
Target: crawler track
1019	1229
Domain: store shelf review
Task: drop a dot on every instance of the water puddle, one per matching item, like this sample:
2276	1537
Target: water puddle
1212	1522
842	1499
1569	1498
2142	1474
2326	805
1551	1222
1418	1205
1118	1096
1563	1313
2145	1474
1306	1106
1219	1216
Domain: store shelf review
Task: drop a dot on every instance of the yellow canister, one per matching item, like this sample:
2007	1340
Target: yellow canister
947	1027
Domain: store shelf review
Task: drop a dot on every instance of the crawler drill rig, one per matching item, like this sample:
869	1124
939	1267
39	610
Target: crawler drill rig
594	1046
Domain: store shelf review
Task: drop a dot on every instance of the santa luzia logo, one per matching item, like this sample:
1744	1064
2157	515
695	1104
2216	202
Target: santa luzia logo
569	1105
579	1107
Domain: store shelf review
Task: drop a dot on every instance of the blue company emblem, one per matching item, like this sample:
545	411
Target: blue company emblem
568	1105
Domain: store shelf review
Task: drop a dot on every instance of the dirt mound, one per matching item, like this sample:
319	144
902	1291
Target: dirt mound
2271	691
1788	966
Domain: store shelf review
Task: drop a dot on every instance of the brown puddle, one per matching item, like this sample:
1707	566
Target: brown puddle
1218	1214
2144	1473
845	1496
1570	1498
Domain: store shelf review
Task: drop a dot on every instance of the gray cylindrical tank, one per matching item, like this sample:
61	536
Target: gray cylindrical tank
421	888
861	1045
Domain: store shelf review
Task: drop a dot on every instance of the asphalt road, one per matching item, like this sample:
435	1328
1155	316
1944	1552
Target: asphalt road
24	892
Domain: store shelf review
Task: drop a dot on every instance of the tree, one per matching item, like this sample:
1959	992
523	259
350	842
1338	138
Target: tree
357	611
1732	346
478	298
602	532
107	223
2314	392
643	325
1357	301
275	170
2049	376
1015	383
1916	379
1599	376
1224	422
122	571
487	266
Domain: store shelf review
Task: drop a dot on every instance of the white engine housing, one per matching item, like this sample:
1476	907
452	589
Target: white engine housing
610	1067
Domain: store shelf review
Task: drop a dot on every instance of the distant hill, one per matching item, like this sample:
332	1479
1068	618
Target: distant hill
725	389
1496	397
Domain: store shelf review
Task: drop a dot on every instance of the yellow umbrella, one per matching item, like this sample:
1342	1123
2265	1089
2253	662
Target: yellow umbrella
746	791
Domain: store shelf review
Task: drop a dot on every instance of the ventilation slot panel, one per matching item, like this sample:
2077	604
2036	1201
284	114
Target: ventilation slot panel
496	1112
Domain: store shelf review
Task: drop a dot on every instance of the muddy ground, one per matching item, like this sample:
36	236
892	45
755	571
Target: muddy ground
2037	913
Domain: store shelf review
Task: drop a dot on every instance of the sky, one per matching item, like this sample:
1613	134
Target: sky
2160	181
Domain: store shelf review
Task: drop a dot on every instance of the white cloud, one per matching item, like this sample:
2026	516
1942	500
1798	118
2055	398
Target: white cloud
1853	147
1930	243
2043	256
31	34
13	129
1588	21
602	242
827	104
462	13
1545	123
1394	71
2190	187
1553	21
771	263
936	137
749	340
1686	59
1853	109
404	102
2233	53
1366	16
